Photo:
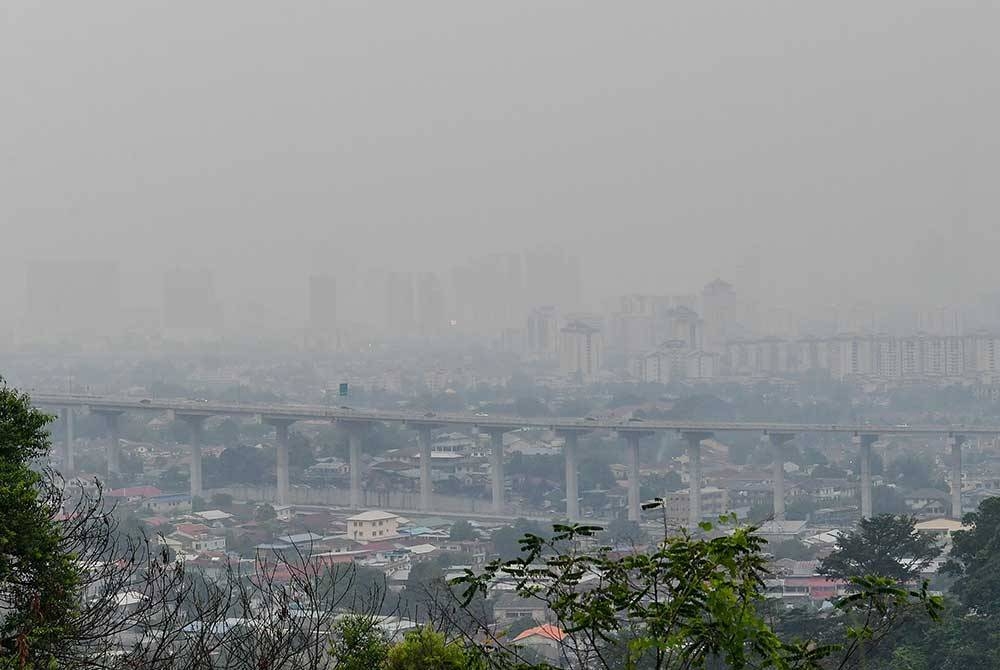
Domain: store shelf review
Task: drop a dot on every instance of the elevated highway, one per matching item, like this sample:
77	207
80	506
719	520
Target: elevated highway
282	416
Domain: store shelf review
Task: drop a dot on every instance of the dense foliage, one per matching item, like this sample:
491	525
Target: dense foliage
688	602
40	586
885	545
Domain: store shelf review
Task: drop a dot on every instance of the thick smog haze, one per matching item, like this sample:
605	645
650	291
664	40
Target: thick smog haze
519	335
808	153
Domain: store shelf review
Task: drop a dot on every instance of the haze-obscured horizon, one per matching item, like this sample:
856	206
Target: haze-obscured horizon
808	153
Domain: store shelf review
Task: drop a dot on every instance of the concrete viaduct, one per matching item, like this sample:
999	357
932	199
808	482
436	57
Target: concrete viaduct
631	430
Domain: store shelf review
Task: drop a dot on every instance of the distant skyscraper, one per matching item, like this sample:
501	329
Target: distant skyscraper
581	351
542	332
940	321
719	310
400	310
322	303
430	305
489	294
190	306
73	298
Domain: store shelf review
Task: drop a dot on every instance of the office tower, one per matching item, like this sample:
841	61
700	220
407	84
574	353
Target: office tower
945	321
73	298
489	294
542	332
581	351
719	310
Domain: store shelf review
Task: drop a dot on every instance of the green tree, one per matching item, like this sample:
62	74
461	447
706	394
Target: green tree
793	549
595	474
888	500
425	649
38	581
975	559
912	471
507	540
265	513
885	545
624	532
656	485
357	643
462	530
690	602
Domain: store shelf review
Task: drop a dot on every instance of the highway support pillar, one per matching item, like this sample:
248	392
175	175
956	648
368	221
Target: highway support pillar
197	424
866	440
355	430
778	441
281	425
572	482
694	440
498	481
111	418
956	442
69	457
426	484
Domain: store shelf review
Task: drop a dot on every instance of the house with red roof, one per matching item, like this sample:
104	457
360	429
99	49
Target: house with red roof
545	640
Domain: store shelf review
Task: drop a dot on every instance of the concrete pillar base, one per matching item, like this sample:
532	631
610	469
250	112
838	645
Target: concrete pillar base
956	476
778	441
498	482
572	484
865	442
634	506
694	440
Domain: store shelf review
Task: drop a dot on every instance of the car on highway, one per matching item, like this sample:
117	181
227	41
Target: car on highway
481	414
145	401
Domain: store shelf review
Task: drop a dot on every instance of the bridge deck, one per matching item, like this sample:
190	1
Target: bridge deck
322	412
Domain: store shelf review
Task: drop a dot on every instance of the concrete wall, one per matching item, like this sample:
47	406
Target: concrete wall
341	497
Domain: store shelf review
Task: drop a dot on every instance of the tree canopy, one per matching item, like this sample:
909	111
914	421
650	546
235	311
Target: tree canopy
38	582
885	545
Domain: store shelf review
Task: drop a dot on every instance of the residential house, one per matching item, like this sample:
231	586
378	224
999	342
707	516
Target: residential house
509	607
168	503
927	503
546	640
373	525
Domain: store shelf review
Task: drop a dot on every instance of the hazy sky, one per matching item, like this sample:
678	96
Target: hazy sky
806	150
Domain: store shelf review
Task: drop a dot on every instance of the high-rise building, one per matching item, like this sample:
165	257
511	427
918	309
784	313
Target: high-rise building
79	298
431	318
542	332
719	310
489	294
943	321
323	309
581	351
190	307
